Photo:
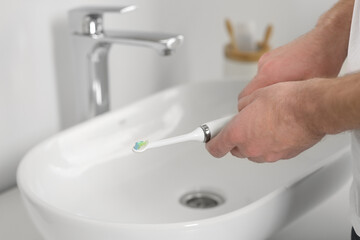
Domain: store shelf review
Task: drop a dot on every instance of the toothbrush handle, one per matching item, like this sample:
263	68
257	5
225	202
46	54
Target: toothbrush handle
218	124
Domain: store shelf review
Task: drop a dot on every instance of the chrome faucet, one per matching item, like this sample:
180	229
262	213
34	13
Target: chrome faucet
91	48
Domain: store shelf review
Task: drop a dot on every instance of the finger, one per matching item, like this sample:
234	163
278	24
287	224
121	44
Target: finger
257	159
245	101
237	152
221	144
250	87
257	82
270	157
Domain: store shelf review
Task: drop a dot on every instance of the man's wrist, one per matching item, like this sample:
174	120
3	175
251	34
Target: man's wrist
309	106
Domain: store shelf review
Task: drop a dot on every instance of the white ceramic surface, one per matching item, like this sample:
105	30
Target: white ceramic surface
86	183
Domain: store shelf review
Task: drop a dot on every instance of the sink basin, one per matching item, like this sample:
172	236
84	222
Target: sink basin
85	183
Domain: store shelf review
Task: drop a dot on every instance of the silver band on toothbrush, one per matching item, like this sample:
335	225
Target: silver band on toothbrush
207	133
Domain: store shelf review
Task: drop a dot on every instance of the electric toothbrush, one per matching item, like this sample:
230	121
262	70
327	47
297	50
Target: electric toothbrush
203	133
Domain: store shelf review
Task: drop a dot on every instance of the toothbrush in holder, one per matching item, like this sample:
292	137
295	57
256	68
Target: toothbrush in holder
203	133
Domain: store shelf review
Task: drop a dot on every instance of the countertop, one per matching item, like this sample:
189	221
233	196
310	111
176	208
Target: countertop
328	221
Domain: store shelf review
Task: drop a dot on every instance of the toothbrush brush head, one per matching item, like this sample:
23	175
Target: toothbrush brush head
140	146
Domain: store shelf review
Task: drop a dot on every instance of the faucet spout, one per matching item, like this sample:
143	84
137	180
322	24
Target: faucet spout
91	49
165	44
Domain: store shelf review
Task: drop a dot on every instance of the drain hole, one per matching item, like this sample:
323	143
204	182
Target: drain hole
201	200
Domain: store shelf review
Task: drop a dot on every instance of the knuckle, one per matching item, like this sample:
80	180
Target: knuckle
267	67
263	58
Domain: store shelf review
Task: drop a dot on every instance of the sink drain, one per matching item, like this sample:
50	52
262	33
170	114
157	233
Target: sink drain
201	200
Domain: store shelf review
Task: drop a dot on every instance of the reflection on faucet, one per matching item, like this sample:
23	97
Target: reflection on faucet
91	48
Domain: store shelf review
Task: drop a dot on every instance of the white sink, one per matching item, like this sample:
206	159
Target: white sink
86	183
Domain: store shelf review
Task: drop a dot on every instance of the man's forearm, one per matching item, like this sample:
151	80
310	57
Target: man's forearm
332	105
338	17
333	27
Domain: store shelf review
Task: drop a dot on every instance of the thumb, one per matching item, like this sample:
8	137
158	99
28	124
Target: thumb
221	144
226	140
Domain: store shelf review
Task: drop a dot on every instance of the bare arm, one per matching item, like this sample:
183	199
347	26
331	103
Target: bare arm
319	53
280	116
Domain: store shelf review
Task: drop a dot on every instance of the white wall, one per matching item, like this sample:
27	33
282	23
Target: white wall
35	84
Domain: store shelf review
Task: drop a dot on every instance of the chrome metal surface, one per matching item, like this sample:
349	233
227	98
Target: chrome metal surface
201	200
207	132
78	17
91	48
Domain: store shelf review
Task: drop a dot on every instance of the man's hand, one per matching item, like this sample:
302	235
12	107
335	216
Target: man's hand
271	124
319	53
307	57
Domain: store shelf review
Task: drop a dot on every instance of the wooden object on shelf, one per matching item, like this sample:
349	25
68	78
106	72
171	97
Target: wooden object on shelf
233	53
231	33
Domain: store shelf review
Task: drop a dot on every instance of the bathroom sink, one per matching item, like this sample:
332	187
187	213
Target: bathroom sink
86	183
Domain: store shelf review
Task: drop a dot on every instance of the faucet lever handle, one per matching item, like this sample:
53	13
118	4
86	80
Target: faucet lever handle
89	20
